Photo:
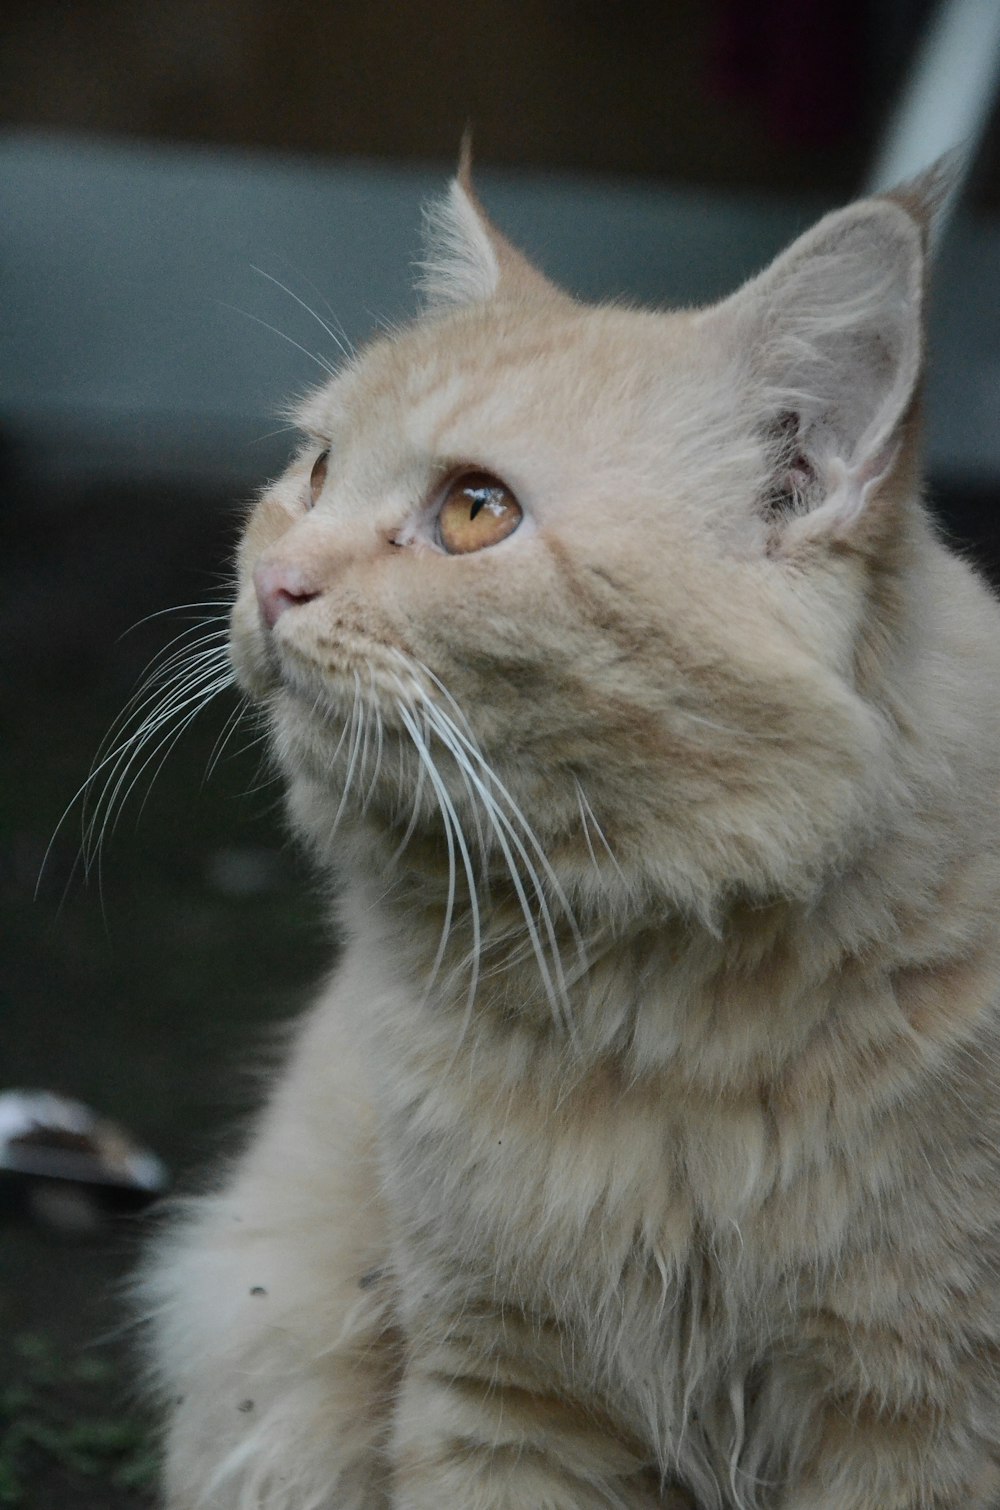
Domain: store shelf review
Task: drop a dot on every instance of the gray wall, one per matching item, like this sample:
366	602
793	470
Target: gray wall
134	324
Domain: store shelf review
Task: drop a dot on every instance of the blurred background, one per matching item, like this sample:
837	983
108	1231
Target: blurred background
182	184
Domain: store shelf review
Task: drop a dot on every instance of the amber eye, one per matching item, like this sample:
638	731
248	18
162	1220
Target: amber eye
478	510
317	476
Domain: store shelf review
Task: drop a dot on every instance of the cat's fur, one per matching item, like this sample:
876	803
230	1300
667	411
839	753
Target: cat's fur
672	1175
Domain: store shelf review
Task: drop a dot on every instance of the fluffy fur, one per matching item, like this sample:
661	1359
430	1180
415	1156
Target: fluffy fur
643	1150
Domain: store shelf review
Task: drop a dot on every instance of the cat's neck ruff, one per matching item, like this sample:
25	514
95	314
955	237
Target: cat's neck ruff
785	998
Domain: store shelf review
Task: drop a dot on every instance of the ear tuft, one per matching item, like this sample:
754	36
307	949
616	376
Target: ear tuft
466	259
460	264
927	197
463	173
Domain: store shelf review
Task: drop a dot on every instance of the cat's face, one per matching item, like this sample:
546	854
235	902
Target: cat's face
559	547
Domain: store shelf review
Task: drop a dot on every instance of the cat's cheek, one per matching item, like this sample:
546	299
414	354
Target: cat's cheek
247	648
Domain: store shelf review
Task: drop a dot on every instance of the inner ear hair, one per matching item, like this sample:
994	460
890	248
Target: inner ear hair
792	485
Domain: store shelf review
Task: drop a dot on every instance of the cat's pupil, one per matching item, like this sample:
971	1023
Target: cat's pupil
477	511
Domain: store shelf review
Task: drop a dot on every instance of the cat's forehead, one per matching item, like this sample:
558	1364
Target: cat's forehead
502	365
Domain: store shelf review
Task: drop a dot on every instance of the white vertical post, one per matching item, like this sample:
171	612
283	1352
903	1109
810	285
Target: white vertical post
946	101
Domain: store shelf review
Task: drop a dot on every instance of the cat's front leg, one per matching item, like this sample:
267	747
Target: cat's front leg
273	1337
278	1374
490	1436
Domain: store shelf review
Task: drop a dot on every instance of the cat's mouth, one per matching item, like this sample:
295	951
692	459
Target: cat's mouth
316	678
340	674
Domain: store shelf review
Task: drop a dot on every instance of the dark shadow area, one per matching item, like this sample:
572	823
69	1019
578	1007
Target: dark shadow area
151	990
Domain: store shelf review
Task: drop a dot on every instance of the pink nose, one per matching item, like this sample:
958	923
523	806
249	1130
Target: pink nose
280	586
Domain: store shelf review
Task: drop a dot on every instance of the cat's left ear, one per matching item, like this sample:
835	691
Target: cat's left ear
829	340
466	259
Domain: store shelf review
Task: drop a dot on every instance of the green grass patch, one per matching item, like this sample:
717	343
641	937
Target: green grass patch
59	1425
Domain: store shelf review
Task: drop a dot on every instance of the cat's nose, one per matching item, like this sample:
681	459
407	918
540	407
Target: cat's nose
279	586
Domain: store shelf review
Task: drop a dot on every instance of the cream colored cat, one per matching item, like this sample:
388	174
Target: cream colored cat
644	1148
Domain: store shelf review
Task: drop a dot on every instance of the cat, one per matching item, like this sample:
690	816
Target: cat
643	1149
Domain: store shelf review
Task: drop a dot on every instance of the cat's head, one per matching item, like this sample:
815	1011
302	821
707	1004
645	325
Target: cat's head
597	588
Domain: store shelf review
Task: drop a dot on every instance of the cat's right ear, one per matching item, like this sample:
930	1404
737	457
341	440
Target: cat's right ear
466	259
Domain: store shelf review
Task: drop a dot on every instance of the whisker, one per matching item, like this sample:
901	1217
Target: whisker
752	736
454	836
110	754
159	674
334	337
474	804
161	693
356	725
363	762
180	608
114	794
413	665
587	814
418	793
378	748
487	792
229	729
459	711
327	368
586	829
188	719
200	693
504	831
526	828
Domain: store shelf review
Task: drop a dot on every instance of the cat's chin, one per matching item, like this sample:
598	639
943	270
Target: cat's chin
285	680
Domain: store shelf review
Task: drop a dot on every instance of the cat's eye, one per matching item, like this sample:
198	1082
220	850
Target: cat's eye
477	510
317	477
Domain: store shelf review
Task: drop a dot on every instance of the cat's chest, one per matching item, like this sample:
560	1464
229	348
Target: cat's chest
610	1197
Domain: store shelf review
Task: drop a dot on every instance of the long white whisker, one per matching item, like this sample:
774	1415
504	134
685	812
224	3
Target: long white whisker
378	749
586	829
458	710
348	345
352	757
587	814
413	665
98	826
476	951
229	729
334	337
187	719
157	684
348	726
161	694
418	793
751	735
216	625
555	990
179	608
453	836
532	839
158	671
465	749
363	762
115	801
326	366
101	762
167	703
